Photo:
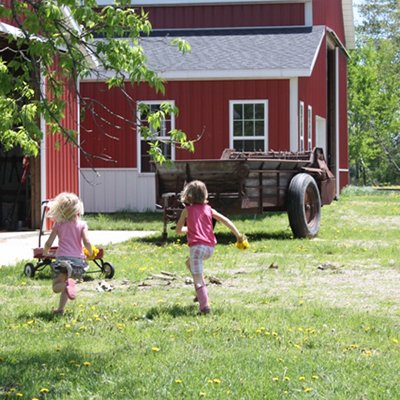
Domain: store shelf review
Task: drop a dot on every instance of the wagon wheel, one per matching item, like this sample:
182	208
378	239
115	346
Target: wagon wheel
29	270
304	206
108	270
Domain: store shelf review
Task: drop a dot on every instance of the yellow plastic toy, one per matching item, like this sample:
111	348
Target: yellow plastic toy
244	244
95	251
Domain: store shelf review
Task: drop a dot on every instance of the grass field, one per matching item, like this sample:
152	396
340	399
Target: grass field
291	319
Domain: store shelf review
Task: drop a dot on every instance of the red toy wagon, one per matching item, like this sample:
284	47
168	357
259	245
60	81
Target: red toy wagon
43	261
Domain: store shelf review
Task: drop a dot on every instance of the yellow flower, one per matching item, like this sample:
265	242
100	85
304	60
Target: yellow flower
302	378
217	381
19	394
44	390
307	390
275	379
178	381
155	349
87	363
202	394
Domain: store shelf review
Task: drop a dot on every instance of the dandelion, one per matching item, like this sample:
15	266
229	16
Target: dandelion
395	341
275	378
67	326
316	377
87	363
286	378
178	381
302	378
155	349
202	394
217	381
30	322
19	394
307	390
44	390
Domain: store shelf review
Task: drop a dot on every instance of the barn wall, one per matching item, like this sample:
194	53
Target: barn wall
313	90
203	108
62	160
117	189
329	13
209	16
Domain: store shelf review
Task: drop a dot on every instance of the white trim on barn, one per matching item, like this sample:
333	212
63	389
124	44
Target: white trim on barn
111	190
222	75
293	114
337	120
43	150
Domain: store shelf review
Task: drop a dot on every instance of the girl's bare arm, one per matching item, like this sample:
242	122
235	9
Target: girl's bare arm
228	223
180	226
86	241
49	242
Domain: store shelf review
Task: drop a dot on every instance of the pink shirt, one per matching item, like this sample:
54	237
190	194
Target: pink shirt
70	238
199	223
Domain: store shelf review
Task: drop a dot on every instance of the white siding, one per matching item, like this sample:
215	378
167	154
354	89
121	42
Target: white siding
110	190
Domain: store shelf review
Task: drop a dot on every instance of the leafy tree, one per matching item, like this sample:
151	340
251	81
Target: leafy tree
57	42
374	95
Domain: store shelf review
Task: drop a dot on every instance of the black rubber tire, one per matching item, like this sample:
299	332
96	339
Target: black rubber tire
108	270
304	206
29	270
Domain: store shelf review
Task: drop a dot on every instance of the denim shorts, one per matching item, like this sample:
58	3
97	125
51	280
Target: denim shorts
79	266
198	253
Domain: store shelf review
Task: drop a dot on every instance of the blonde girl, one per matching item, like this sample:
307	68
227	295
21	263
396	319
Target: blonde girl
72	232
196	220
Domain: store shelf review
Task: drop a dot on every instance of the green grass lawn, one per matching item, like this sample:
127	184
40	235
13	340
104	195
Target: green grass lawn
291	319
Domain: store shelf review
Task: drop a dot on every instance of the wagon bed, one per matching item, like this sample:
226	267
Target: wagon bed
254	182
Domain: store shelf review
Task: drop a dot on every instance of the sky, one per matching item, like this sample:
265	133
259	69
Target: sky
357	18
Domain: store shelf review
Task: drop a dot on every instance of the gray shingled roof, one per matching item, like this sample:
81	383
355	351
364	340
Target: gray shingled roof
241	53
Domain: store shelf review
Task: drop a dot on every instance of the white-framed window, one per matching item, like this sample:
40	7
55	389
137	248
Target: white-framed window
161	135
248	125
301	126
309	128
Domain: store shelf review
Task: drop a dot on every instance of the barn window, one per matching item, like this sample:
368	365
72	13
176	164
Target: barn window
248	125
309	128
301	126
161	134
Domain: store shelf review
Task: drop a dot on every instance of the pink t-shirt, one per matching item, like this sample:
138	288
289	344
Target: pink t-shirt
199	223
70	238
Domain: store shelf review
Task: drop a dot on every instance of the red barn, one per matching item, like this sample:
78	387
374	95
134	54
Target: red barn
24	182
261	75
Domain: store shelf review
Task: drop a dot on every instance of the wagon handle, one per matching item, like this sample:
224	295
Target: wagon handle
42	220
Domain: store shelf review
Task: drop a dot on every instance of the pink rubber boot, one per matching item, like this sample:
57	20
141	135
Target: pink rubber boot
202	296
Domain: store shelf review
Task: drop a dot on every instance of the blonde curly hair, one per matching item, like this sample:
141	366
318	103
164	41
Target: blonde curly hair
65	207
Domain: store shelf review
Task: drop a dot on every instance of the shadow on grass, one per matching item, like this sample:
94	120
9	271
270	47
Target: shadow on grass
223	238
174	311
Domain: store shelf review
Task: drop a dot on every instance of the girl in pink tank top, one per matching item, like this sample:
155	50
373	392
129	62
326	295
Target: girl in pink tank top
196	220
70	262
